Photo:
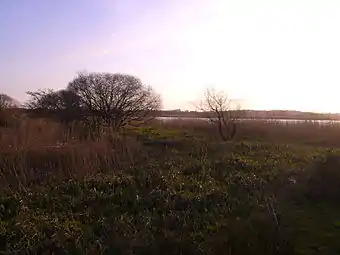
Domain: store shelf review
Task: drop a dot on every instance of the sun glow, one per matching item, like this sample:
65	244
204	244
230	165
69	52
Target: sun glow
273	55
269	54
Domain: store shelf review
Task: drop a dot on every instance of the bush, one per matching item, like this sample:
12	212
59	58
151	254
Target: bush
323	184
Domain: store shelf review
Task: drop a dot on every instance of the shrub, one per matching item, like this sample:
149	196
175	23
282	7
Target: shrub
323	184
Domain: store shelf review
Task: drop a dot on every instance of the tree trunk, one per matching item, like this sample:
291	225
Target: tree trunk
220	130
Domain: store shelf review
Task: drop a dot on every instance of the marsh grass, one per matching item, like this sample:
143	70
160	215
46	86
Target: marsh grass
38	151
305	133
169	188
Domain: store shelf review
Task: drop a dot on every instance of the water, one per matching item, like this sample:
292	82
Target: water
273	121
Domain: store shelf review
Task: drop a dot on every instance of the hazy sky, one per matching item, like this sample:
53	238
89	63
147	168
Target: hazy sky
273	54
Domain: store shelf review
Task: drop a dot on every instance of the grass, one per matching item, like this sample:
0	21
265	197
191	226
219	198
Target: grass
169	188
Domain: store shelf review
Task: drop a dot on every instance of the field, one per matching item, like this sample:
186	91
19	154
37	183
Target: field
169	188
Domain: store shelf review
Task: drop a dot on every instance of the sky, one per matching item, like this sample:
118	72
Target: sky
266	54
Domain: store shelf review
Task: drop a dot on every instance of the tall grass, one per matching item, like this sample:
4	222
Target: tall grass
170	184
38	151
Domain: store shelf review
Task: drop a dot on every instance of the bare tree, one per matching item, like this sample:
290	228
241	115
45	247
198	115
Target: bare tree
114	99
6	102
219	110
42	100
63	105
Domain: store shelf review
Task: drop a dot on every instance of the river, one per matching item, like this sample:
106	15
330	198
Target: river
278	121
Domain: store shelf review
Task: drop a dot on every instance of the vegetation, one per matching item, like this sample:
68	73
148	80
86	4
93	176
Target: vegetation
220	113
6	102
170	187
99	99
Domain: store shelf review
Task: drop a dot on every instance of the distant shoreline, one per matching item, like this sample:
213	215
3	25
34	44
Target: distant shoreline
259	115
245	114
282	120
